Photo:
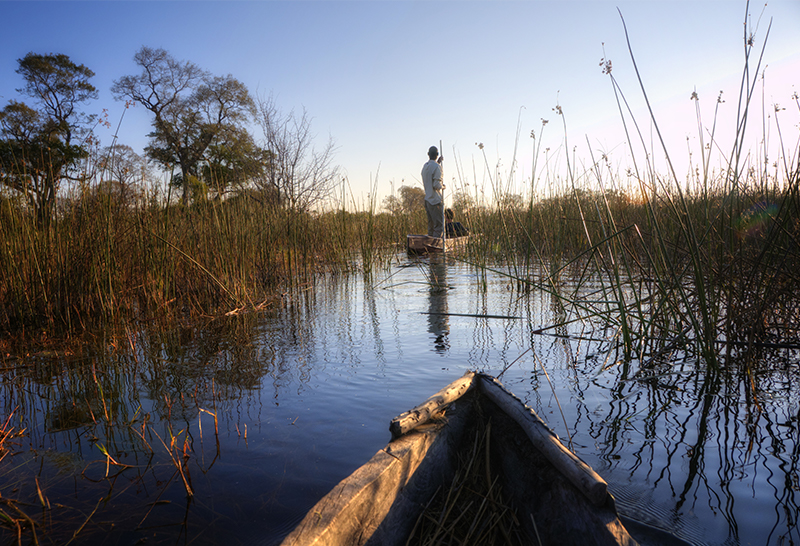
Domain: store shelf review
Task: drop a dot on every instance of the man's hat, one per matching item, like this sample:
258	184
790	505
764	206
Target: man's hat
433	150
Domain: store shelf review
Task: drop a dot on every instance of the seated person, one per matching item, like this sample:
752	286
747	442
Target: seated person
454	229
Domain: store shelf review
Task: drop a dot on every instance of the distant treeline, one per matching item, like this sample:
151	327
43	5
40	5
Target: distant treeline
200	139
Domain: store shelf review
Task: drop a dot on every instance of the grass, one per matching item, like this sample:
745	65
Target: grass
707	266
714	263
120	448
472	510
709	262
99	262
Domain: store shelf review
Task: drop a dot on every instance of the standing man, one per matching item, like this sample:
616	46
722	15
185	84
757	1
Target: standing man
434	204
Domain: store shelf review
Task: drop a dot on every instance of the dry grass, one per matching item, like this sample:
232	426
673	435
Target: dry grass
472	510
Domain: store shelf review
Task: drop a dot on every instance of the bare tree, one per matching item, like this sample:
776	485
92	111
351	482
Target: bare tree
119	162
304	176
122	173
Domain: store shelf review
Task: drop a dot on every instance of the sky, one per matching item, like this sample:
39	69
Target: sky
387	79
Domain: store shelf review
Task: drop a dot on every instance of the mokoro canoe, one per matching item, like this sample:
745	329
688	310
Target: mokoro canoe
556	497
422	244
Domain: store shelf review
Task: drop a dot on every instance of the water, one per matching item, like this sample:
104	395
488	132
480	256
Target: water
303	393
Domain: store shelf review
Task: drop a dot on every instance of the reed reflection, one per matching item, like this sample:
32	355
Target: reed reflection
680	443
139	428
242	407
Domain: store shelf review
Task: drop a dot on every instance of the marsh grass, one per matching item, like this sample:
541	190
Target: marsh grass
710	261
746	255
101	262
709	264
707	267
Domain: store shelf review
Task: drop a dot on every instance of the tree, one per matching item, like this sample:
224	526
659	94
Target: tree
190	107
119	162
412	197
302	174
510	202
393	205
463	202
122	173
40	147
234	160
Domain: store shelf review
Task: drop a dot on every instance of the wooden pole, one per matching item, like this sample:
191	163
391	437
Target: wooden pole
444	216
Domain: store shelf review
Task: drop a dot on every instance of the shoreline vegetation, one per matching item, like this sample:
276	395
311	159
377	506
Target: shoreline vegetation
715	272
100	262
709	261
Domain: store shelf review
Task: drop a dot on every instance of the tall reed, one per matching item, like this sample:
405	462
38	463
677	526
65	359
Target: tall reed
101	261
709	263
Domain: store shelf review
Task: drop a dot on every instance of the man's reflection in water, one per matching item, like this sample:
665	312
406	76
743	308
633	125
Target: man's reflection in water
438	324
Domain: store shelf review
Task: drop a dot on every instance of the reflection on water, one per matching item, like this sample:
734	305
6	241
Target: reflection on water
438	322
231	431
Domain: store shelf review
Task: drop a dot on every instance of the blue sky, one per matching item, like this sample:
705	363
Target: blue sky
386	79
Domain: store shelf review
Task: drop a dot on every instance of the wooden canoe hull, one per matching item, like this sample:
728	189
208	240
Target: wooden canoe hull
558	498
422	244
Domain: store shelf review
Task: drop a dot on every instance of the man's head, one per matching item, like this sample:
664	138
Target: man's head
433	153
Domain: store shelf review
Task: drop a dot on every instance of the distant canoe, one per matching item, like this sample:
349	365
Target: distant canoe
556	498
422	244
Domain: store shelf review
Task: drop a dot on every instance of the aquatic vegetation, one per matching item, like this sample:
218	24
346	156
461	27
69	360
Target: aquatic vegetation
97	263
708	263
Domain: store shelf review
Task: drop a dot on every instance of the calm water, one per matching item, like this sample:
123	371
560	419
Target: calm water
264	413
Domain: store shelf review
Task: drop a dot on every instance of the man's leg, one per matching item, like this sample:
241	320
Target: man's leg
431	221
436	213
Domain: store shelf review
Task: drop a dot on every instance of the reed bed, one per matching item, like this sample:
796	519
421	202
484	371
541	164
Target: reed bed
124	442
707	263
101	262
